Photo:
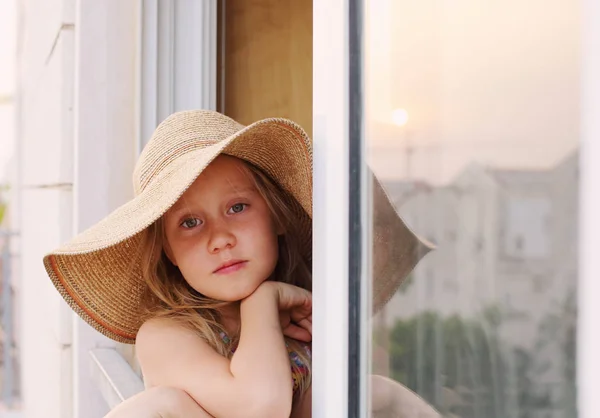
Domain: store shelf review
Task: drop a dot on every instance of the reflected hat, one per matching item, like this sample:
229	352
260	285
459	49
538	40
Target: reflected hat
99	272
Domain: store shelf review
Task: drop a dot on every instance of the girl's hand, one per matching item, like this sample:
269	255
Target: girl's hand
295	309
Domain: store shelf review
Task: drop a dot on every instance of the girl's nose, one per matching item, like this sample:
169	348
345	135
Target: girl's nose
221	239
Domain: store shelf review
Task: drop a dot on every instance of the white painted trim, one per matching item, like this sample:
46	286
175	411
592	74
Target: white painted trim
104	120
115	379
195	54
330	213
148	96
179	59
139	56
588	340
165	59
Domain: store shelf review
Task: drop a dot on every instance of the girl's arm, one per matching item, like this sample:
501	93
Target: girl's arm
257	382
159	402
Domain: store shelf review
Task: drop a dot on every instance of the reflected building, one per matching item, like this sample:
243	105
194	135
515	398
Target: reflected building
506	243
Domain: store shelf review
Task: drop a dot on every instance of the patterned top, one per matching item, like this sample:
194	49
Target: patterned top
297	373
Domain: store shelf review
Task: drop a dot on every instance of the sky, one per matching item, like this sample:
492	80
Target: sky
7	82
490	82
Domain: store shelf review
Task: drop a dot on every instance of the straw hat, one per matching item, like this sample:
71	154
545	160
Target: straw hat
98	272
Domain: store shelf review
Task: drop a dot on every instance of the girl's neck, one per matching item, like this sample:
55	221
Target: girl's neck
230	317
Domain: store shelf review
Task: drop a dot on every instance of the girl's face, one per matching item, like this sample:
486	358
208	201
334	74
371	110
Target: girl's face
221	234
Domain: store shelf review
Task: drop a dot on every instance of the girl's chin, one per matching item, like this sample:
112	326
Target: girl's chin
235	293
237	296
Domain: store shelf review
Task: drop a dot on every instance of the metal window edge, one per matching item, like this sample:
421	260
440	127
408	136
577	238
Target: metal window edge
115	379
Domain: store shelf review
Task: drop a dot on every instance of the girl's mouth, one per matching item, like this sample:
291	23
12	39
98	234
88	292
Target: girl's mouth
230	266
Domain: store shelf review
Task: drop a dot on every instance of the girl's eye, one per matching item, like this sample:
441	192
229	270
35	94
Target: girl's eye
237	208
191	223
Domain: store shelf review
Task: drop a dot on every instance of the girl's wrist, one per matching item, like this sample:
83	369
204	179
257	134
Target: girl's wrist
266	291
264	299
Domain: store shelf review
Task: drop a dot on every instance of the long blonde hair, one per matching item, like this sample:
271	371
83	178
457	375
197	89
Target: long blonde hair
169	295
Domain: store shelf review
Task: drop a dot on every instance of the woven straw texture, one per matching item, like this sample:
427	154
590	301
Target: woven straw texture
98	272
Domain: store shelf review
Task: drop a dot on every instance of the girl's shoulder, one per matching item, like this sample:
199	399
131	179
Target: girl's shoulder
157	325
156	330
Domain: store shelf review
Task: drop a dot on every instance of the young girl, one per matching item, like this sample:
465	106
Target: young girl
208	269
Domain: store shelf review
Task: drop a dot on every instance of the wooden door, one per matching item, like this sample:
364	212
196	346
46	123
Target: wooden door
266	60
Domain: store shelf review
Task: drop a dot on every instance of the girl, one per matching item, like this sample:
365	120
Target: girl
207	270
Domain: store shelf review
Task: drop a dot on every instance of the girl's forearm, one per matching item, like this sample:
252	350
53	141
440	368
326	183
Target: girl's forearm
159	402
261	355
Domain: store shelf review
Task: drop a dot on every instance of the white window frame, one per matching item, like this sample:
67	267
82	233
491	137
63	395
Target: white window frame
177	61
340	254
588	340
114	377
103	130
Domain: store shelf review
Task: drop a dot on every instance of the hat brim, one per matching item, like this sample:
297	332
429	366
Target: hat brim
99	272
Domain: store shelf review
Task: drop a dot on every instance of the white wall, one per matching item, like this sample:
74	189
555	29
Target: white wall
76	132
105	148
45	153
7	84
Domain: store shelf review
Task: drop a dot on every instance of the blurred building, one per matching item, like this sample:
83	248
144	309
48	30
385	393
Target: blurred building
9	348
506	240
10	388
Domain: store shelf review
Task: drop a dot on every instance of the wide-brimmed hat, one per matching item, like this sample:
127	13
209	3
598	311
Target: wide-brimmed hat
99	272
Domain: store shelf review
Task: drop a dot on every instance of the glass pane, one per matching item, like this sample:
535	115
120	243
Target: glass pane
472	125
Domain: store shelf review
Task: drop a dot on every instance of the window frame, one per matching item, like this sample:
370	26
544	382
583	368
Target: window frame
588	343
169	80
341	213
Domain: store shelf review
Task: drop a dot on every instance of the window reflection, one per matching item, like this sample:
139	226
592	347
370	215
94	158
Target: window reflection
473	124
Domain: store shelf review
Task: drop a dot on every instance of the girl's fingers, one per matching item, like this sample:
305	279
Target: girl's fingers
306	324
297	333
